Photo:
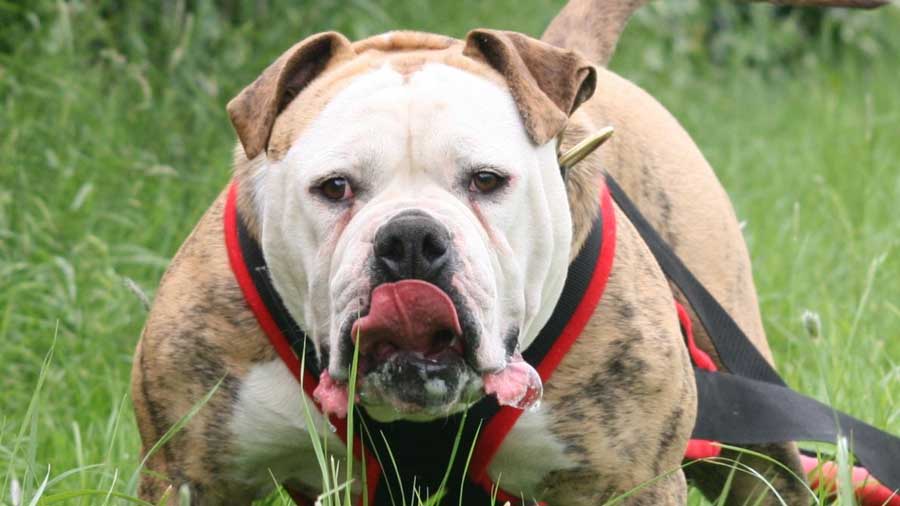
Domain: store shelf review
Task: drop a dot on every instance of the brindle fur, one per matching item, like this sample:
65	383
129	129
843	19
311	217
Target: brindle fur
200	334
630	356
675	188
662	170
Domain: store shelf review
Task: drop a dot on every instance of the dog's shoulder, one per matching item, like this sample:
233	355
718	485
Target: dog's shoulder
199	310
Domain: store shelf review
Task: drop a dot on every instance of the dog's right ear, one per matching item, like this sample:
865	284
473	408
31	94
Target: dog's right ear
253	110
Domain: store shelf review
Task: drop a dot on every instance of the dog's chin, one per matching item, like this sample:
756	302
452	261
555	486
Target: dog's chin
409	385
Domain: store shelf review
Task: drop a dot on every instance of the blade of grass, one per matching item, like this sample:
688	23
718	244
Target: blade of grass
396	469
726	488
79	454
315	439
351	403
169	434
40	490
184	495
282	497
380	462
29	421
845	488
365	480
466	467
164	499
112	486
75	470
775	462
721	461
439	493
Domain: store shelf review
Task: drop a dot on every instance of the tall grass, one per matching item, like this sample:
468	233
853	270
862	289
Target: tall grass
113	140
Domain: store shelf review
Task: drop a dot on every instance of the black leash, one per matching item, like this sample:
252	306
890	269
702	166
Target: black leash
741	411
752	404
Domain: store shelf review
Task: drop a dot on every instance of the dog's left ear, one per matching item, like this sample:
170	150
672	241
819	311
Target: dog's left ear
547	83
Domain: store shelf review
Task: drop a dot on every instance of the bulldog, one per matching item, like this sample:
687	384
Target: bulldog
406	195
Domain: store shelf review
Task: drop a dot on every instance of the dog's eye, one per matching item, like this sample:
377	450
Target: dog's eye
485	181
336	188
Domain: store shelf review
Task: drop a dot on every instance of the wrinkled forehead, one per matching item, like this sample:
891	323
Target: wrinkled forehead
436	92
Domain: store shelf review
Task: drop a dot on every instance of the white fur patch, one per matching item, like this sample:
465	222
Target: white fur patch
270	431
270	434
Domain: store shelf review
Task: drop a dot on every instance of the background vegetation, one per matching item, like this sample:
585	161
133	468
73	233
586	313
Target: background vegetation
114	139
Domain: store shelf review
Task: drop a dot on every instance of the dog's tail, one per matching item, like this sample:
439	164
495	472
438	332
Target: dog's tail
593	27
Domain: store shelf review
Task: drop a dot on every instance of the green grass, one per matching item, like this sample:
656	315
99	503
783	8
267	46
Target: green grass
114	139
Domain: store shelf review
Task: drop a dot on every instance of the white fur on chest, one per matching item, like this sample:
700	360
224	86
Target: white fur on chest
269	425
270	434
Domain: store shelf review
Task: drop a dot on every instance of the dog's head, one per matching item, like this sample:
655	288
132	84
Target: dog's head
406	193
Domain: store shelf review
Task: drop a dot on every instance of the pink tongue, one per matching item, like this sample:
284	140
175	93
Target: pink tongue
407	314
517	385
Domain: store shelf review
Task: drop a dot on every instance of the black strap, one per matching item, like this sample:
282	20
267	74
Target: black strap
752	405
578	278
740	410
732	345
259	272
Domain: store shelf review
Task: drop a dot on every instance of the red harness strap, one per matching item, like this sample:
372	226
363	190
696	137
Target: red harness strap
260	311
278	339
495	431
499	426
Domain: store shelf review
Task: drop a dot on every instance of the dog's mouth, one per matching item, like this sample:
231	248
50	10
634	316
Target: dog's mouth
413	358
412	316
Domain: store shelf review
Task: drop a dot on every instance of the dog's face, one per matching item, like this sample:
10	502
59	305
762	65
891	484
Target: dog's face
430	177
404	205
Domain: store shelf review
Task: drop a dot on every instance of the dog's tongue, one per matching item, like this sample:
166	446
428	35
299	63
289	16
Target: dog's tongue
407	314
518	384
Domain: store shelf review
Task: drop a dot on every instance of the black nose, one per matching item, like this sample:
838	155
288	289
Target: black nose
412	245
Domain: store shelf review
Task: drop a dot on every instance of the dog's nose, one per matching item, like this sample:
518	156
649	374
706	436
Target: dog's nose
412	245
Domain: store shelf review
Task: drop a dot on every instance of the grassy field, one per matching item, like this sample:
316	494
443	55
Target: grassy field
114	139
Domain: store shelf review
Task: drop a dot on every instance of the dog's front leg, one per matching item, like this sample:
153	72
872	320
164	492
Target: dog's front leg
194	463
200	341
623	401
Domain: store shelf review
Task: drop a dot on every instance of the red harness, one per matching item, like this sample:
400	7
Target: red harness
575	308
496	429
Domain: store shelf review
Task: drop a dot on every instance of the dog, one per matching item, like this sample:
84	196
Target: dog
416	173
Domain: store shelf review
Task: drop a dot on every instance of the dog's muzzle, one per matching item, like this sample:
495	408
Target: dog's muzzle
416	338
